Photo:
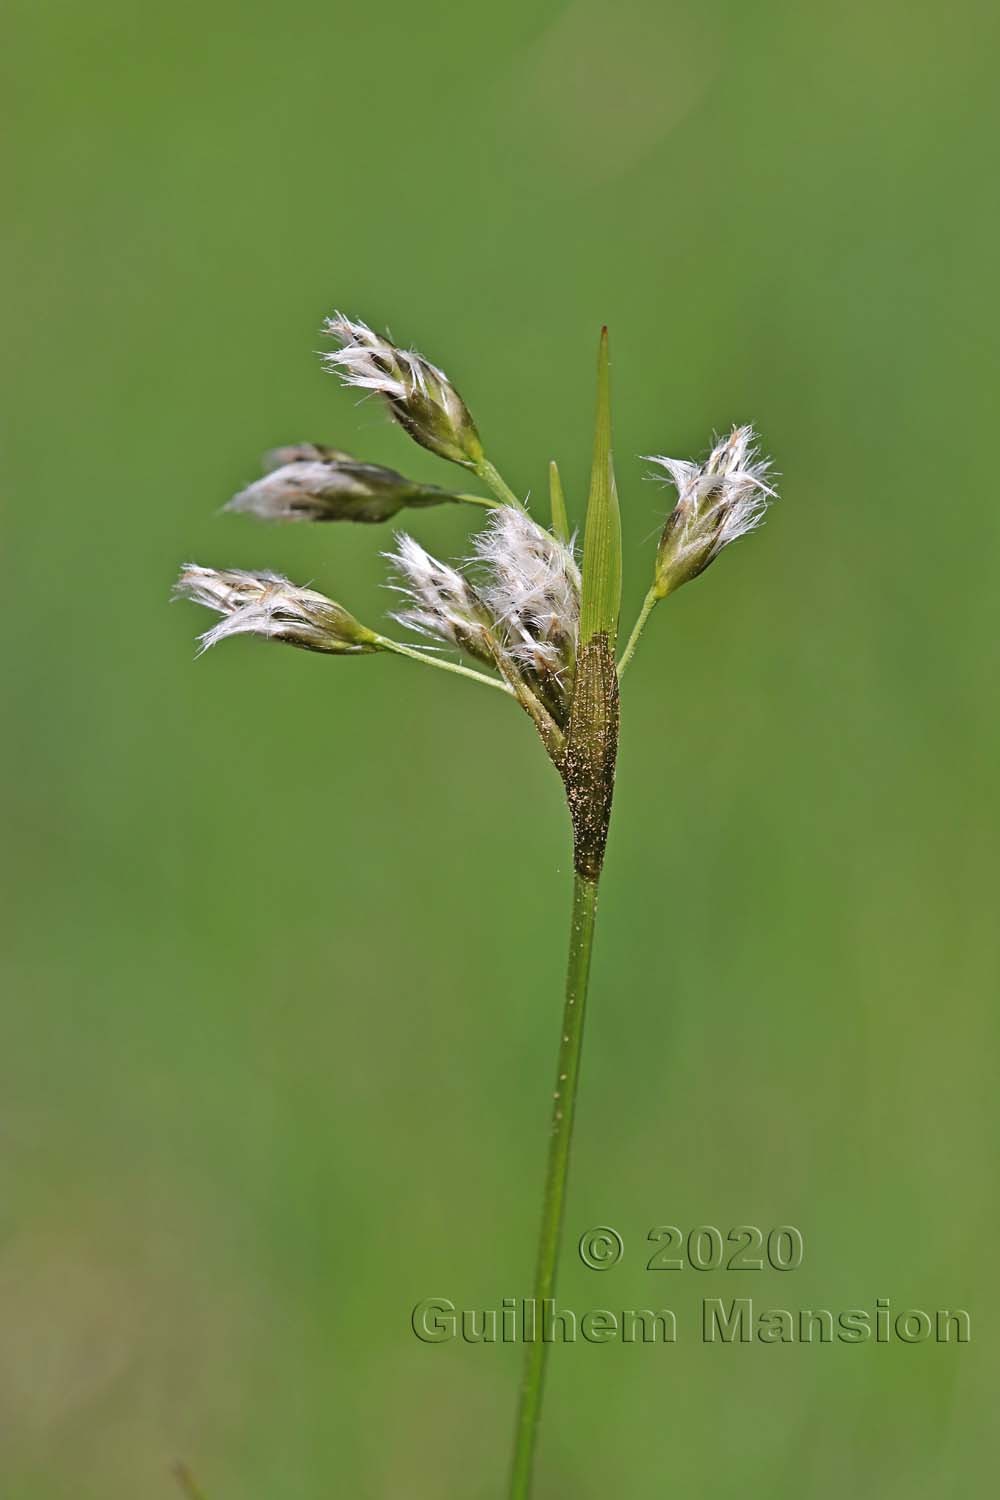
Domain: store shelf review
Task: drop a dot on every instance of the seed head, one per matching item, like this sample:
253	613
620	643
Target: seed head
442	603
717	502
311	483
419	395
268	605
533	593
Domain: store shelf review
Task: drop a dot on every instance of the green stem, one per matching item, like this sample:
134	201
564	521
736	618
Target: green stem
633	640
478	500
491	476
398	649
581	939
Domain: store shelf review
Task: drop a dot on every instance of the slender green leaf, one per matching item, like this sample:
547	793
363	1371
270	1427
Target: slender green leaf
560	520
602	544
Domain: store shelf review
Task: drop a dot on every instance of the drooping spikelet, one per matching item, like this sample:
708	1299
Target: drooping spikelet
717	502
308	482
268	605
442	603
419	395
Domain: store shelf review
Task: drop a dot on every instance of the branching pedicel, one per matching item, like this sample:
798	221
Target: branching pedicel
519	606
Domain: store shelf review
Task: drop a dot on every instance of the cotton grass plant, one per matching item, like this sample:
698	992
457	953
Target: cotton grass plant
540	624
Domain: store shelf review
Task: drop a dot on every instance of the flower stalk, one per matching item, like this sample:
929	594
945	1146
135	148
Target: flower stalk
491	476
651	599
581	943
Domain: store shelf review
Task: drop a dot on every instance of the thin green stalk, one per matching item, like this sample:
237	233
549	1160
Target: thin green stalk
397	647
581	940
479	500
633	640
491	476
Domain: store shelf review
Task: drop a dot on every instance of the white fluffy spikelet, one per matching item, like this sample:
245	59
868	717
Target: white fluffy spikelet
717	502
533	590
371	363
442	603
268	605
420	396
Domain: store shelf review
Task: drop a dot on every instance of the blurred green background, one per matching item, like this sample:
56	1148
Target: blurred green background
284	935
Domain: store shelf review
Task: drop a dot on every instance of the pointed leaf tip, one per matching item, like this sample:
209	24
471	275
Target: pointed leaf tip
602	549
560	520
